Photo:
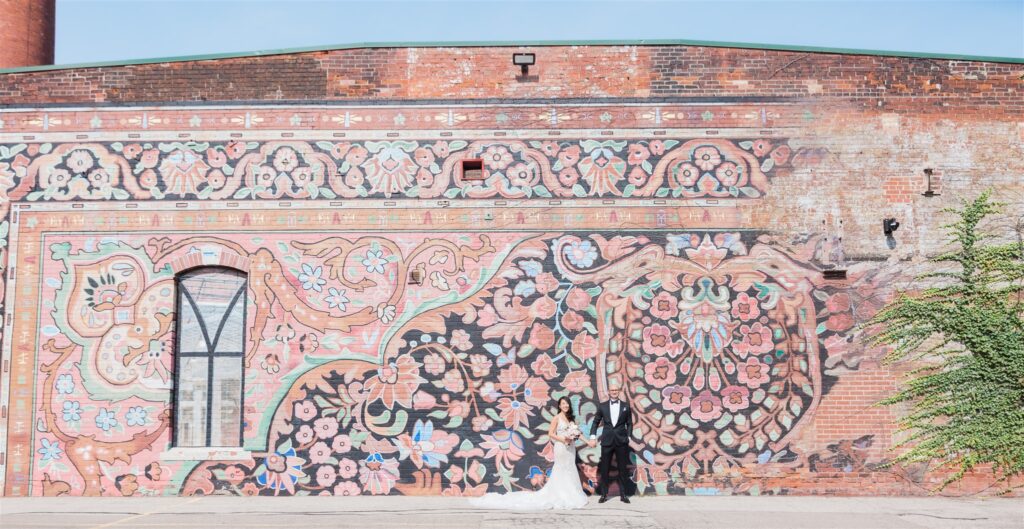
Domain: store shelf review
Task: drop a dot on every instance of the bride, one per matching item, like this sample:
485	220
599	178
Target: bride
563	489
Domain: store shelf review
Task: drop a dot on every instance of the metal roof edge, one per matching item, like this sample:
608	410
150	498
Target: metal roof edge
503	44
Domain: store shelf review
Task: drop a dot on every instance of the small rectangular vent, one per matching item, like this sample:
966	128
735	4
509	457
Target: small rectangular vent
472	169
835	275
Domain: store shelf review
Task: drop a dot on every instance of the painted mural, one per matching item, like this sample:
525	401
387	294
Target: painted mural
382	387
676	168
358	380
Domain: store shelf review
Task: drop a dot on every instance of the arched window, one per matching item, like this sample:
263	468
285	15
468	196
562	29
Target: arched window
210	357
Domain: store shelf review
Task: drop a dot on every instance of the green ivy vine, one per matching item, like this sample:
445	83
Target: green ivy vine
964	397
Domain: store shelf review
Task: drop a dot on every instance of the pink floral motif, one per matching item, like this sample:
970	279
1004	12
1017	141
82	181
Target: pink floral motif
285	159
80	161
514	412
572	321
395	382
546	282
497	157
183	172
390	171
282	471
541	336
304	434
676	398
319	453
569	156
347	488
326	427
688	174
424	157
706	407
512	379
347	468
584	346
543	307
504	446
536	391
752	372
660	373
757	339
707	158
326	475
603	170
544	366
520	175
657	338
576	381
735	398
480	365
745	307
761	147
423	401
377	474
665	306
638	154
728	174
460	340
434	364
341	444
577	299
426	446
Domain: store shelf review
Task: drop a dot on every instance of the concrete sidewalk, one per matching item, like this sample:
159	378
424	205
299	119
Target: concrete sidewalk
732	512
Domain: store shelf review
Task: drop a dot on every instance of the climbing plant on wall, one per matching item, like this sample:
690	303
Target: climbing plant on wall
966	399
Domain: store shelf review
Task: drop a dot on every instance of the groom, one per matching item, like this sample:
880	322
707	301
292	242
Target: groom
618	420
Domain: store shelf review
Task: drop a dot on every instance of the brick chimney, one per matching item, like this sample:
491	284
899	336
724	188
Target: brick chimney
26	32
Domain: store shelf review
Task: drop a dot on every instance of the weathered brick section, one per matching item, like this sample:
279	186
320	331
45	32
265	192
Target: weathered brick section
885	84
26	32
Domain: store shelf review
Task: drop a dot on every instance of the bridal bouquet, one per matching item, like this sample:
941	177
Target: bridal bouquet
573	432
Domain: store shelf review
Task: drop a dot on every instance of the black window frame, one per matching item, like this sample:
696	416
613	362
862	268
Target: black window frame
181	294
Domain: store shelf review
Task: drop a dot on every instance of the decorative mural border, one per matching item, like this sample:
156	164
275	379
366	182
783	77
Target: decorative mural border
406	116
681	168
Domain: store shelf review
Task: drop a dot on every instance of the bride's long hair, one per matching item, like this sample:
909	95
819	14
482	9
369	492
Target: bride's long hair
569	414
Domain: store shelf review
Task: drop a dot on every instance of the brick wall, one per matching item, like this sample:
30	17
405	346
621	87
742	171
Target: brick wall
26	32
700	213
880	83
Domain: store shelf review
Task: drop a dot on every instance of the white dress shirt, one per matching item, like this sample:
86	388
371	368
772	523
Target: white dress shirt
614	409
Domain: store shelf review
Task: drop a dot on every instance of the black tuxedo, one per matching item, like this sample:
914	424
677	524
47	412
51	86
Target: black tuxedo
614	442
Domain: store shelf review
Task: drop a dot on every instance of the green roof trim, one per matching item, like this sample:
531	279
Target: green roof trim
501	44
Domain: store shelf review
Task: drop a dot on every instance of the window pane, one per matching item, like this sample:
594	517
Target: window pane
227	401
213	290
190	336
212	320
191	402
231	335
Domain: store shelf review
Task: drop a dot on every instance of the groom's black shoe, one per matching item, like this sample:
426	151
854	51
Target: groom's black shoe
602	499
624	499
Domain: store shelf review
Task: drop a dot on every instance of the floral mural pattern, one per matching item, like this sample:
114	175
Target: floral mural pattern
375	386
676	168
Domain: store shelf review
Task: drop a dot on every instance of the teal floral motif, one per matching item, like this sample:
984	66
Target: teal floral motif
72	411
49	450
105	419
136	416
65	384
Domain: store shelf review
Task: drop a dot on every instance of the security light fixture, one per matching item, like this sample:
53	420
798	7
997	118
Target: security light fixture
929	192
889	226
416	276
524	61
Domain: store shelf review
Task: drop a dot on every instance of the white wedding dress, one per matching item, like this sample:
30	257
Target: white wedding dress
562	491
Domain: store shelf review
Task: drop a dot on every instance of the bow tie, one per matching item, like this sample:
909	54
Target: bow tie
614	402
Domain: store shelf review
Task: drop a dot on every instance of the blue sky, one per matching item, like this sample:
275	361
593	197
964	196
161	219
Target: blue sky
103	30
